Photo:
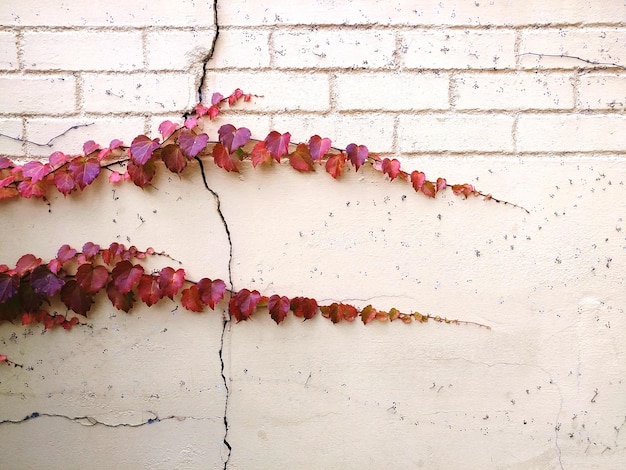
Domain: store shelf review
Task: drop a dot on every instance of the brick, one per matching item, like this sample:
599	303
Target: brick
424	12
514	91
334	49
455	133
178	50
83	50
107	13
605	45
277	91
392	91
602	91
12	128
372	129
139	93
241	49
102	131
454	49
50	94
8	51
571	133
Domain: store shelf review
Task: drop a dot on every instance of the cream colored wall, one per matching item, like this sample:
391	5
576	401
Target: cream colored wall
446	89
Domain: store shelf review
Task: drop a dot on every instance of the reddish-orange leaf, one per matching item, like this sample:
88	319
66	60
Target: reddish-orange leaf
318	147
260	154
120	300
76	298
141	175
149	290
277	144
26	263
417	180
224	159
429	189
191	299
464	189
304	307
394	314
174	158
441	184
125	276
92	278
368	314
301	159
336	164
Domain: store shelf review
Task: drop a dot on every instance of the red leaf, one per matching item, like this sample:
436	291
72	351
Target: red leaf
303	307
76	298
277	144
278	307
357	155
9	285
119	300
224	159
260	154
36	171
92	278
417	180
173	157
213	112
336	164
64	181
89	147
191	299
125	275
29	189
8	193
211	292
233	138
170	281
149	290
301	159
167	128
84	170
26	264
201	110
142	148
192	144
44	282
391	168
141	175
243	303
318	147
232	99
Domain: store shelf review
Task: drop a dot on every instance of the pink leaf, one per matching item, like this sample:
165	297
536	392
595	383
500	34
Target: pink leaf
418	179
36	171
201	110
391	168
318	147
115	177
89	147
64	181
357	155
441	184
141	149
115	143
192	144
65	253
191	123
216	98
58	158
167	128
213	112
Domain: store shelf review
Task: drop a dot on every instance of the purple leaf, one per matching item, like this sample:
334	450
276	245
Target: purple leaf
233	138
141	149
192	144
44	282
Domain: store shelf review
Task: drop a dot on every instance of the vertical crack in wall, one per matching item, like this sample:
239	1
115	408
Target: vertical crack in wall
226	321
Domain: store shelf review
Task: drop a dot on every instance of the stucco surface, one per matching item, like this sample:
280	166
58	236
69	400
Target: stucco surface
544	388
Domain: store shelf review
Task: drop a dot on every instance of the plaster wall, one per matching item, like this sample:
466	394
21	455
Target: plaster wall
455	89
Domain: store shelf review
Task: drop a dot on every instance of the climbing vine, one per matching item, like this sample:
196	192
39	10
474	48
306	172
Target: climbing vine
76	277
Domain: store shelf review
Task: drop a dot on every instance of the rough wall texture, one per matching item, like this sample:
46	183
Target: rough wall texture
526	100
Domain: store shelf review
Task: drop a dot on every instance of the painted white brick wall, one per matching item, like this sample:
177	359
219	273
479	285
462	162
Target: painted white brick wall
340	64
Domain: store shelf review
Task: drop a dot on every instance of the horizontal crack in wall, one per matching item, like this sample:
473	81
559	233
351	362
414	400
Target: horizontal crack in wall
91	421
